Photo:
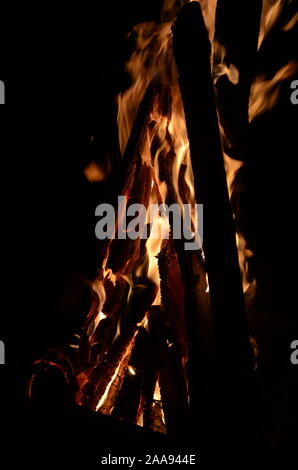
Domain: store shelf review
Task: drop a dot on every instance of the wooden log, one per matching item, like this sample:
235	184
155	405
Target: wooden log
110	398
172	295
103	336
238	33
172	379
184	296
121	257
156	338
173	389
127	172
124	253
94	341
129	397
97	378
219	242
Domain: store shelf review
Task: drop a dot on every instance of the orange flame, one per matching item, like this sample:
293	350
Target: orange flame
264	93
153	57
270	13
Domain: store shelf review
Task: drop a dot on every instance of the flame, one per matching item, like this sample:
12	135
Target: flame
264	95
94	172
270	13
248	283
170	161
152	45
157	395
119	371
265	92
165	148
132	371
106	393
209	11
153	57
291	23
244	254
231	166
220	67
170	8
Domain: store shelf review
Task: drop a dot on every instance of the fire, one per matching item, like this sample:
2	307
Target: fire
244	254
152	47
110	332
291	23
153	58
248	283
263	97
105	395
220	67
270	13
265	92
166	134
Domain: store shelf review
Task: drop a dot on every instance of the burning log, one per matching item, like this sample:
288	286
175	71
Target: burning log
152	408
129	397
84	352
95	340
232	23
136	135
108	399
102	337
123	253
184	290
201	366
168	362
172	294
211	190
173	380
128	178
97	379
156	357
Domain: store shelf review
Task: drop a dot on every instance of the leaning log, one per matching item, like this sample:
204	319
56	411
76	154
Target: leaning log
167	355
129	397
127	173
219	242
186	302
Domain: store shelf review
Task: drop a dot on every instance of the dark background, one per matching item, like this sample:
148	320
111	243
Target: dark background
62	69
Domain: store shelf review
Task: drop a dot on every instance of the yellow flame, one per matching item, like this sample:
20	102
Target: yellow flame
106	393
220	67
153	56
157	395
231	166
132	370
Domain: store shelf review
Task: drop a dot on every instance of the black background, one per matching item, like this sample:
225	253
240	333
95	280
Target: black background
62	68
